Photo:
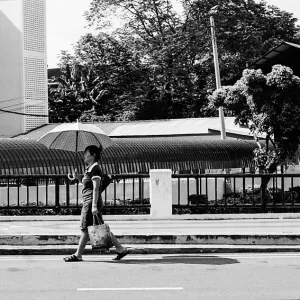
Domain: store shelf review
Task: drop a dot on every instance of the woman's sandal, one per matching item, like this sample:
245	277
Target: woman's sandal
72	258
121	255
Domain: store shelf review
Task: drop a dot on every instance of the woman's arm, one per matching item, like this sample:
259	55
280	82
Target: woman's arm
96	187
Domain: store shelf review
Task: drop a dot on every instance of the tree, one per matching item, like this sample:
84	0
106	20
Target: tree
245	31
269	105
97	78
178	47
159	63
167	48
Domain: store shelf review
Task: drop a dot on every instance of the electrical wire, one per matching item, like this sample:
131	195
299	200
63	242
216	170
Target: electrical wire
23	114
10	100
23	106
3	110
24	103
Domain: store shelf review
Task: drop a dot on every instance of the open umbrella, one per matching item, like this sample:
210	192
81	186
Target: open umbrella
75	137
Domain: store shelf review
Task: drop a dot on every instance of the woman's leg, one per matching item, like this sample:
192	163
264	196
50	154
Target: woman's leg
82	243
119	247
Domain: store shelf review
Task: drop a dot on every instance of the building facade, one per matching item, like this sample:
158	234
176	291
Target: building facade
23	66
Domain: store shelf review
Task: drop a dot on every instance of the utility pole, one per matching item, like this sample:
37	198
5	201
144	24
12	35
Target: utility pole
217	69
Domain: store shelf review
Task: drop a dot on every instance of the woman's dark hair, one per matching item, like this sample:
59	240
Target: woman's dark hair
94	150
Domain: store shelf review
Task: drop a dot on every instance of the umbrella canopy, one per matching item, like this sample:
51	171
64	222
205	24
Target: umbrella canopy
75	137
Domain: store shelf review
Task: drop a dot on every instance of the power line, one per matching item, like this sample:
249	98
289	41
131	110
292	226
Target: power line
16	111
10	100
22	106
23	114
24	103
12	110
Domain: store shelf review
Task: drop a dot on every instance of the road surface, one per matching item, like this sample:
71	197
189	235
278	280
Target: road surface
237	276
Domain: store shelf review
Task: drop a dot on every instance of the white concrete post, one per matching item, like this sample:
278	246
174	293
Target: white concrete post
161	193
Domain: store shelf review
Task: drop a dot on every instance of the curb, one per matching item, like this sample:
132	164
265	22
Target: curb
148	249
213	239
212	217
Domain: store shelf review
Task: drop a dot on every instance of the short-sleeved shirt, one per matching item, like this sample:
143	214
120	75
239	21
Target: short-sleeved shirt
94	171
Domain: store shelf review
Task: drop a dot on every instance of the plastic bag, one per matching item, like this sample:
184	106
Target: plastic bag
99	234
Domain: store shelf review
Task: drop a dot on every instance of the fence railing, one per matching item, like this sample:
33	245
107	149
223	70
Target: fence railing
233	193
56	191
191	193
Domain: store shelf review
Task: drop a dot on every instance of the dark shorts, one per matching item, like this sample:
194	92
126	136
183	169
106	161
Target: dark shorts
86	218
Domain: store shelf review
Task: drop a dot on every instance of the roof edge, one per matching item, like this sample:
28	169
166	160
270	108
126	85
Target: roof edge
252	66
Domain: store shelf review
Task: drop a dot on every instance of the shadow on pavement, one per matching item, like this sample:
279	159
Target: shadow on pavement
189	260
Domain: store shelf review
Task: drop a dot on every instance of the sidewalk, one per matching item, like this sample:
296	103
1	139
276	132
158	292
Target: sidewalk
143	234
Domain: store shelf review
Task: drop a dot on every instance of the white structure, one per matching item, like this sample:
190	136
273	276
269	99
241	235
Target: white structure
23	66
161	193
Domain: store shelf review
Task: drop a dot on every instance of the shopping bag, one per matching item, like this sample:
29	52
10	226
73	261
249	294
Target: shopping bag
99	234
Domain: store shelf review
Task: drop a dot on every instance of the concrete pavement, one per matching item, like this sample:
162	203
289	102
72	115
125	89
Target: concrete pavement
144	234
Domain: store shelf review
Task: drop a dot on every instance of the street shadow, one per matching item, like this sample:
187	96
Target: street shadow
180	259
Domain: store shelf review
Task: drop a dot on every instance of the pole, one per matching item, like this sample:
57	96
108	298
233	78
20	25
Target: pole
217	73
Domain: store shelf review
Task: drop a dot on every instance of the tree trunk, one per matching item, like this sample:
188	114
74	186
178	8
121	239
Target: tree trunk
264	184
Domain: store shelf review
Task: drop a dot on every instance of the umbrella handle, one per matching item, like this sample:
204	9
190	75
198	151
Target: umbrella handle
71	177
74	176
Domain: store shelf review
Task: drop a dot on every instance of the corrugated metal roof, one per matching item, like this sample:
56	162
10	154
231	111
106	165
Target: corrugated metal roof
192	126
128	155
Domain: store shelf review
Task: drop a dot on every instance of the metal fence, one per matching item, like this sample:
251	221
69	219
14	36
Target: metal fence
56	191
236	193
191	193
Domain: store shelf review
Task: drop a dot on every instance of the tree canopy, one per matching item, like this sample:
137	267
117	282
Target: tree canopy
159	63
269	104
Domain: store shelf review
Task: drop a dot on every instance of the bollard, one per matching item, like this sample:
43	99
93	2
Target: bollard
161	193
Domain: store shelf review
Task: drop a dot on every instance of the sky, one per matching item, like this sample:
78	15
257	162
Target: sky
66	23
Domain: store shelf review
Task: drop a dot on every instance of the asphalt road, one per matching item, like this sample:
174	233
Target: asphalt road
237	276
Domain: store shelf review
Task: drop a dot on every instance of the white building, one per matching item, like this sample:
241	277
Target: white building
23	66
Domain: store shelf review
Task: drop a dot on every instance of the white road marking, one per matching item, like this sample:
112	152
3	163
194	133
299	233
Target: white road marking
133	289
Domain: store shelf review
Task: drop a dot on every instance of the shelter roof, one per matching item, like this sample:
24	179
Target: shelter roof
285	54
128	155
152	128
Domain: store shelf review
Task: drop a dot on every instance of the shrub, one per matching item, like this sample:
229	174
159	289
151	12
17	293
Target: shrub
197	199
110	208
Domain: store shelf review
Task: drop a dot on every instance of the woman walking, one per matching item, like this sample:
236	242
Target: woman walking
92	203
